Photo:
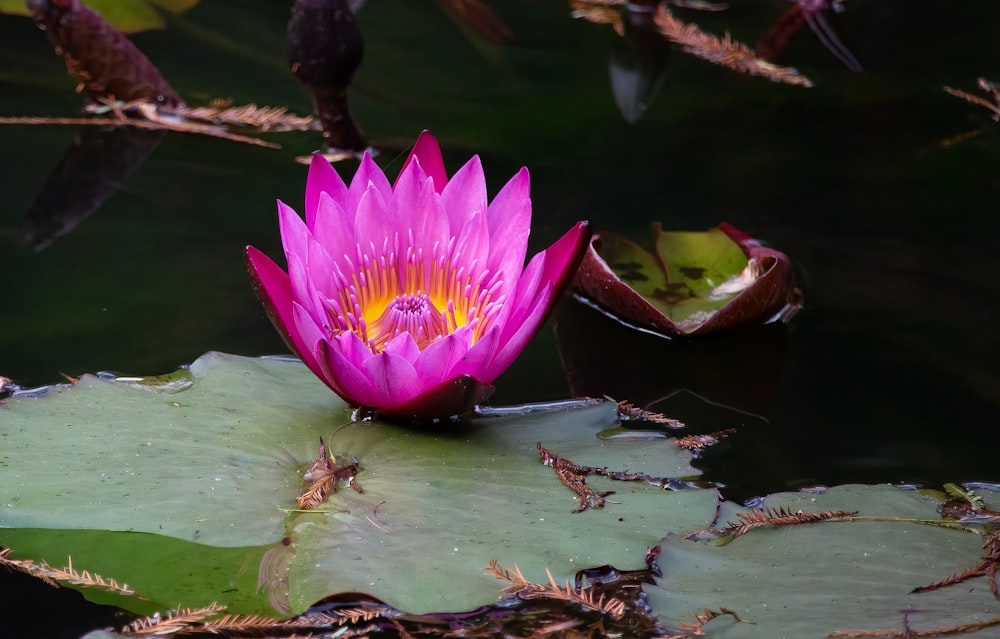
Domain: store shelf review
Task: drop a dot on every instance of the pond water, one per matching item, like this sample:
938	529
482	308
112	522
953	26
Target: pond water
889	374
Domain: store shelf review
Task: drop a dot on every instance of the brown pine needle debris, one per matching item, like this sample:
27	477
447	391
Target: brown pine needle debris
182	619
992	88
628	412
761	517
520	587
909	633
703	618
695	443
208	120
192	621
325	475
599	12
988	567
723	51
574	477
68	574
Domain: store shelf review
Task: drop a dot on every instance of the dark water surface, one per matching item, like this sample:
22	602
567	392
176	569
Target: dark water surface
890	374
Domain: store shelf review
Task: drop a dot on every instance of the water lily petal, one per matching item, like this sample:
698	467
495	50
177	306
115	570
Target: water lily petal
368	175
357	389
454	397
438	360
322	179
354	348
294	234
479	357
334	229
428	152
273	288
509	217
372	227
418	211
394	378
403	346
472	248
542	283
465	194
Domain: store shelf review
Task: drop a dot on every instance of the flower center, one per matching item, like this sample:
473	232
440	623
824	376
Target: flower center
408	313
426	294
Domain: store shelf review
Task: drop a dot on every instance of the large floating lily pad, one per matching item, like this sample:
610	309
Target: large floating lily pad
214	457
813	579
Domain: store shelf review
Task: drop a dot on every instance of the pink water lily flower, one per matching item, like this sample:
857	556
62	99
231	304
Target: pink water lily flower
409	300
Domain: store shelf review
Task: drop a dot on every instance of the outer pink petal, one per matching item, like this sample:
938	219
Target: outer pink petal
465	194
479	356
534	298
275	291
427	150
438	360
311	334
353	348
513	342
454	397
294	234
357	389
322	179
510	223
395	380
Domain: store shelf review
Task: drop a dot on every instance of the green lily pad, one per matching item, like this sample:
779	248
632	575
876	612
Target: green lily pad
813	579
128	16
162	571
214	457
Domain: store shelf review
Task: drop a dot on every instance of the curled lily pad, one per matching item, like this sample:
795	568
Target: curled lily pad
691	283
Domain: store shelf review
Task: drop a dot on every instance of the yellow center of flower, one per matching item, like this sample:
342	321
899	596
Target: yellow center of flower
428	298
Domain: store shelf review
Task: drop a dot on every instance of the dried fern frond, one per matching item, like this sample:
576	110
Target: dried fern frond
524	589
989	567
325	474
782	516
909	633
695	443
598	13
703	618
209	120
68	574
182	619
263	118
986	85
630	412
723	51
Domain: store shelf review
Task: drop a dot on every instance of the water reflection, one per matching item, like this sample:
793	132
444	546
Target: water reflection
96	164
